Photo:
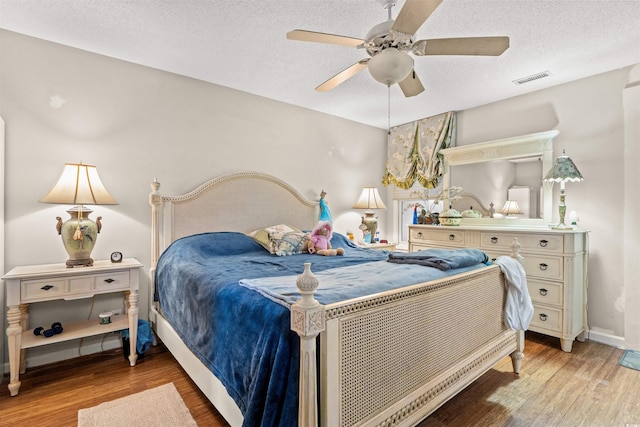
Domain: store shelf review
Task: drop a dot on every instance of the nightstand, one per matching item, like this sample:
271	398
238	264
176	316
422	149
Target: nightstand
38	283
379	246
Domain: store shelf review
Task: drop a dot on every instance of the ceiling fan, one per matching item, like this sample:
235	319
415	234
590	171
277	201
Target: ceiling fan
389	44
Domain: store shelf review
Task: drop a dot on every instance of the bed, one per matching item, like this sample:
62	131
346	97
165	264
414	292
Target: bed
380	354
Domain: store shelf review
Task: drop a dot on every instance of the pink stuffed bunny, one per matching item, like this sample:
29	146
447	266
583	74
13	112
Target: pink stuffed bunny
320	242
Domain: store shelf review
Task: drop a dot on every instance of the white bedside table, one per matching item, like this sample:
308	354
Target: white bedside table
379	246
37	283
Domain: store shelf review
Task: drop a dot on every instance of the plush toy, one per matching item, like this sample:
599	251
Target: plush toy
320	241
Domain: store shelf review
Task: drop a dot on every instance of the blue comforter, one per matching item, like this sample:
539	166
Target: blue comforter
212	289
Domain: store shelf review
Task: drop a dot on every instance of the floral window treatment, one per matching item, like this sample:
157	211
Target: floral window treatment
413	151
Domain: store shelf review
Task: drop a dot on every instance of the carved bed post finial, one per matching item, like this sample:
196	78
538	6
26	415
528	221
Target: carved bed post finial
515	250
307	320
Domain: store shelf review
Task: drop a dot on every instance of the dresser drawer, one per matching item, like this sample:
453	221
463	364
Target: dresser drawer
550	268
546	318
112	281
543	267
438	237
541	243
548	292
33	290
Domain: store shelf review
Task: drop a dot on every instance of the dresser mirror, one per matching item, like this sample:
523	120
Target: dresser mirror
491	172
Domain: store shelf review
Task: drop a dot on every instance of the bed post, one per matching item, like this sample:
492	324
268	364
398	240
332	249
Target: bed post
518	355
155	200
307	320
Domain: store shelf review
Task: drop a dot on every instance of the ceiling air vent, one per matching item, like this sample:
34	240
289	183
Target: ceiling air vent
532	77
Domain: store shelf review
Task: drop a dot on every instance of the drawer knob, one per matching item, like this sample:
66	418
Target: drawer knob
46	287
543	317
419	234
494	240
452	237
544	243
543	266
109	280
543	292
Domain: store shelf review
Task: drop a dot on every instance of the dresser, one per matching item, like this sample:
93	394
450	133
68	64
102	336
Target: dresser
555	262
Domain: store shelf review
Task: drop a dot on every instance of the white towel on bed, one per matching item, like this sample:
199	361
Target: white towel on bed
518	309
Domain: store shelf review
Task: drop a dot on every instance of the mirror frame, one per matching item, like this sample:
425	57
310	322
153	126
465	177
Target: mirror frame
531	145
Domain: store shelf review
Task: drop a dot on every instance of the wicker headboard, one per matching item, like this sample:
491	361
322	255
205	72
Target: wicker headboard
243	202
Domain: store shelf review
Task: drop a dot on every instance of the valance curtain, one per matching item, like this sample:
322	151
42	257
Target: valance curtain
412	151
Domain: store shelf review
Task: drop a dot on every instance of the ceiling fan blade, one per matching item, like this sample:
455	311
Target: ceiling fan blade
488	46
411	85
343	76
413	14
312	36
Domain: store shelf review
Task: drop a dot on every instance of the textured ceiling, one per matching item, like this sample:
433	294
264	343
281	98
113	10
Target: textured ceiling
242	44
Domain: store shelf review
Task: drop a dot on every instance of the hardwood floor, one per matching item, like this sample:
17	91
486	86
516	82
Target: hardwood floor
584	388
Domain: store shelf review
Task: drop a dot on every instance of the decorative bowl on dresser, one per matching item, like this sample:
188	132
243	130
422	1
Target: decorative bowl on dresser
555	262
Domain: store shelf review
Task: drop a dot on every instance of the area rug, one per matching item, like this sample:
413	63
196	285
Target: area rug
631	359
160	406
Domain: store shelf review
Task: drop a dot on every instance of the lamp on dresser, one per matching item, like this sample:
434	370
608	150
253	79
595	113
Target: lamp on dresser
79	185
563	170
511	209
369	199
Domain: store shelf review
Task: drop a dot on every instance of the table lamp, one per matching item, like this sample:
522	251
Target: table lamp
563	170
79	185
511	209
369	199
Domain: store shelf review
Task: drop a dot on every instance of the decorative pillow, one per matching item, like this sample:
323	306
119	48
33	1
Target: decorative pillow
282	239
292	243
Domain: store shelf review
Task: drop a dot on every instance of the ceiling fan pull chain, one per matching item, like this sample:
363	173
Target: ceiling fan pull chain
388	109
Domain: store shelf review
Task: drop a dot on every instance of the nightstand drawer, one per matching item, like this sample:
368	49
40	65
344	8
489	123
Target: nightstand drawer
113	281
43	289
542	243
80	284
547	318
438	237
545	292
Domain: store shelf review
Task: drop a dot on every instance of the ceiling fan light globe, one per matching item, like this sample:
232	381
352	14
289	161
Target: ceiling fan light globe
390	66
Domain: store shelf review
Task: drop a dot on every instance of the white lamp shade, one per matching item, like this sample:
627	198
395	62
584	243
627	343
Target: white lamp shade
511	208
369	199
390	66
79	185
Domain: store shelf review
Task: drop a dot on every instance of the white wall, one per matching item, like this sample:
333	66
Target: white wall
589	114
2	290
136	123
631	208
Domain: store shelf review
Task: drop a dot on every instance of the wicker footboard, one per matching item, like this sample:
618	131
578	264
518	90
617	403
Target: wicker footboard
392	359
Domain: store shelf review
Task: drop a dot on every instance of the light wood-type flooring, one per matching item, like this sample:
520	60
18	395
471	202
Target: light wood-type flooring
584	388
